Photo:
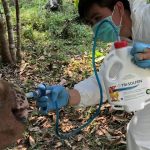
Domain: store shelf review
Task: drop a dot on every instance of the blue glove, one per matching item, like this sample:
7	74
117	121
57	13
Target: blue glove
57	98
138	50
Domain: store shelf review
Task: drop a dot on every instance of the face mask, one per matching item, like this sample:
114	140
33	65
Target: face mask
106	32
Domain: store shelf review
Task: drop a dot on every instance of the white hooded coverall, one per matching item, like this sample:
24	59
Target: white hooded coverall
138	130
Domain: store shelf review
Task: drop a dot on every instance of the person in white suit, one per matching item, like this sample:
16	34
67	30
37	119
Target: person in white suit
131	19
134	25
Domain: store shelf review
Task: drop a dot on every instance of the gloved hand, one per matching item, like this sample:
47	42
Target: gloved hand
141	54
58	96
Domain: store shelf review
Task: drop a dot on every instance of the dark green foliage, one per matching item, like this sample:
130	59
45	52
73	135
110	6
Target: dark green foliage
54	31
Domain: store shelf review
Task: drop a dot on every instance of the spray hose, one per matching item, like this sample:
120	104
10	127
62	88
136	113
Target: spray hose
76	131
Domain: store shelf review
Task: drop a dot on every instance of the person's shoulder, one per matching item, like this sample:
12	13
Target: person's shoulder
136	4
138	8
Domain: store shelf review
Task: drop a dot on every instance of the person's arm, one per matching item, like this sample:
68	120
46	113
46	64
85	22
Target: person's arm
74	97
86	92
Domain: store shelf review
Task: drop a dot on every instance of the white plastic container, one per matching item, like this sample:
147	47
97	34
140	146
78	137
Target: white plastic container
127	85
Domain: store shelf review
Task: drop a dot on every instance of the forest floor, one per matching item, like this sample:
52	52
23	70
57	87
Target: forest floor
56	47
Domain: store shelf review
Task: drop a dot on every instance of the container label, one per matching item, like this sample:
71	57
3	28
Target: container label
130	90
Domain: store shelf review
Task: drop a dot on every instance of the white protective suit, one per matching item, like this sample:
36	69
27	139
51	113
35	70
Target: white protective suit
138	136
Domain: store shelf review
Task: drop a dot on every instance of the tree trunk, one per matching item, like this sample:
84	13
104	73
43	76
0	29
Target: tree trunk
5	53
10	30
18	30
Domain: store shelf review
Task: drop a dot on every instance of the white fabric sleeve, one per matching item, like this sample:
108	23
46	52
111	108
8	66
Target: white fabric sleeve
145	23
136	3
89	91
140	15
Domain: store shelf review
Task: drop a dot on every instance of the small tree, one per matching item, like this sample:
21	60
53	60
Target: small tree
18	30
6	56
9	29
8	48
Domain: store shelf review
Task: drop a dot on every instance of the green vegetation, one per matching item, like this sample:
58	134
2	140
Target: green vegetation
53	31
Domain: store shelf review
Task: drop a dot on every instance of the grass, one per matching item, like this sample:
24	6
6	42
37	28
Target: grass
53	31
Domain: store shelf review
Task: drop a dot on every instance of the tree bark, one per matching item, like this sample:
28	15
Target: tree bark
18	30
5	53
10	30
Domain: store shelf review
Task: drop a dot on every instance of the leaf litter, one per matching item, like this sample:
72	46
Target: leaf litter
106	132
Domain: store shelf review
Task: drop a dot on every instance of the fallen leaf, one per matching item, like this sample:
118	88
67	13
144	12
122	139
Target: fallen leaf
22	68
99	132
68	144
31	141
35	129
58	144
63	82
80	137
98	142
42	58
119	118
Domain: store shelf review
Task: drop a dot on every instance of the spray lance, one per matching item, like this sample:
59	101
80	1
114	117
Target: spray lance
111	81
